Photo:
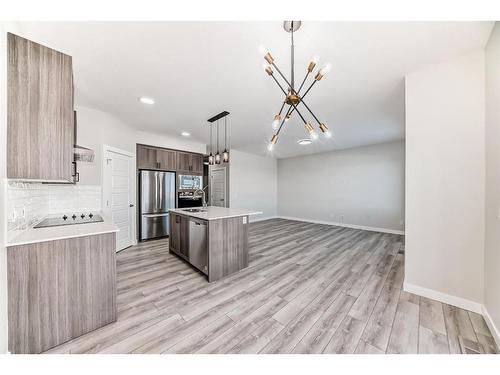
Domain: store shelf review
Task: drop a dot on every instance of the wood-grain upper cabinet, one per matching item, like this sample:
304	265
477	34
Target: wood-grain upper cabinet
40	120
183	161
146	157
149	157
189	162
197	163
166	159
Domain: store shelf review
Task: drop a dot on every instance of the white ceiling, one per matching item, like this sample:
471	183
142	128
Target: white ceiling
196	69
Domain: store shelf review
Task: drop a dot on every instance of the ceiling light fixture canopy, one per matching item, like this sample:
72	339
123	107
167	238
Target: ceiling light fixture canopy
293	97
305	141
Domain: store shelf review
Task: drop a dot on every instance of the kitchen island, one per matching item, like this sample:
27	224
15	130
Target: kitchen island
212	239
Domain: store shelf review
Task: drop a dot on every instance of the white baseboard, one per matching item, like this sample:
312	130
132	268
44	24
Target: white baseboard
491	325
256	219
443	297
354	226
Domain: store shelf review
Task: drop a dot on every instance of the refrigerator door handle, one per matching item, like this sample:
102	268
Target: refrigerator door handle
161	180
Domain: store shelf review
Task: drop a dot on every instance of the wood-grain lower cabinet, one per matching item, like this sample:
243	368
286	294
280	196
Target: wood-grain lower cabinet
40	118
59	290
175	233
179	235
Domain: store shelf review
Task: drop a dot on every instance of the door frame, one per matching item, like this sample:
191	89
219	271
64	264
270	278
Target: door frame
215	167
132	181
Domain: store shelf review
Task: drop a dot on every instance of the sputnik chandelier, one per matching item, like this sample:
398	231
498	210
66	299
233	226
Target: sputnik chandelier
293	96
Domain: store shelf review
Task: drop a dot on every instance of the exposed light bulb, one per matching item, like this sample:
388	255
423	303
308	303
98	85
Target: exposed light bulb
270	146
315	59
328	134
313	135
276	122
263	50
217	158
225	156
211	159
325	69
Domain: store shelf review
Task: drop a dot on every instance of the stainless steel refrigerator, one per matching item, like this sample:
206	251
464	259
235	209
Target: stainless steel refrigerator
157	197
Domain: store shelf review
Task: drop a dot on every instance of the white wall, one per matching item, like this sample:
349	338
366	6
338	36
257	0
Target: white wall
96	128
492	206
253	183
363	186
445	172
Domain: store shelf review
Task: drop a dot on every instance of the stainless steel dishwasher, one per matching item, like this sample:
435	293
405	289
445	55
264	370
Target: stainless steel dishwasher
198	244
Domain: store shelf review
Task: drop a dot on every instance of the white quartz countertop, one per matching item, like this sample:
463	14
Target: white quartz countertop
35	235
215	213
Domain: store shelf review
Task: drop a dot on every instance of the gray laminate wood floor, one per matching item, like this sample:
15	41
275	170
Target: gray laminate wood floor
309	288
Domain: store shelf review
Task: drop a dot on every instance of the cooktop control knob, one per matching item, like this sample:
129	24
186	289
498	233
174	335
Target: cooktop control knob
74	216
82	216
65	217
91	215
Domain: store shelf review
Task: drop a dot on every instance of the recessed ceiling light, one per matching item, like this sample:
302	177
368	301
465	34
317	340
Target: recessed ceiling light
146	100
305	141
185	134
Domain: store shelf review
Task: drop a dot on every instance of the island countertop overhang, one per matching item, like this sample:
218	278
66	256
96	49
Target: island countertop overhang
215	213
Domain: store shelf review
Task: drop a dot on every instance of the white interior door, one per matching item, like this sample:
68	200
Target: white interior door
118	199
218	187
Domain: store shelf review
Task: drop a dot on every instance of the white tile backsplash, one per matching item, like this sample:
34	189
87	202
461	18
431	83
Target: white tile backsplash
28	203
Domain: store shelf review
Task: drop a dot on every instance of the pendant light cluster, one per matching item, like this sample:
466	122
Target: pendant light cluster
218	157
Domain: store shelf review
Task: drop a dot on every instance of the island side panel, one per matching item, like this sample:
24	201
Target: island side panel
59	290
228	246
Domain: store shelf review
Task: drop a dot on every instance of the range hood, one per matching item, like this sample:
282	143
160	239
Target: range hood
84	154
81	153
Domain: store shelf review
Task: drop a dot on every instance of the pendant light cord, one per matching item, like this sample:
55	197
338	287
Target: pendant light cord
225	133
217	136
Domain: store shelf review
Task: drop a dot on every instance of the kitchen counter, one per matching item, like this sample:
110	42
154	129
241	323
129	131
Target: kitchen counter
36	235
215	213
